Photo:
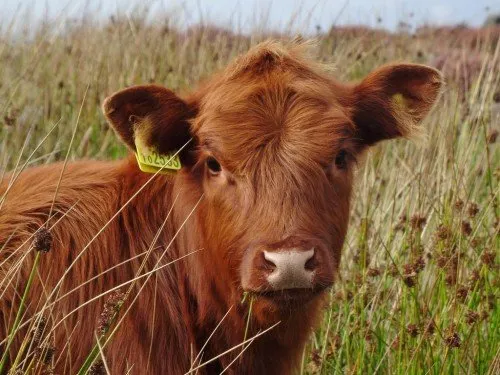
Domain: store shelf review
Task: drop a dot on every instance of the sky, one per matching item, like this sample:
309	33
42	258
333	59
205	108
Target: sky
275	14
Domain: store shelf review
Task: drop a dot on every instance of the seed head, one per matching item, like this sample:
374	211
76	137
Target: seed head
450	278
409	275
459	204
9	119
373	272
97	368
443	232
466	228
471	317
38	331
475	242
45	353
442	260
410	281
452	270
412	330
419	264
430	328
111	307
453	340
42	240
488	258
368	335
316	357
418	221
395	343
349	295
474	277
408	269
492	136
462	293
473	209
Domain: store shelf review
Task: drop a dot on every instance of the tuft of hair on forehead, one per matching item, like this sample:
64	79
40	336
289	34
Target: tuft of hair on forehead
289	66
297	56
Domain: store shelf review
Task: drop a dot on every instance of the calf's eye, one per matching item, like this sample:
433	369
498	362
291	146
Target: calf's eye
341	160
213	166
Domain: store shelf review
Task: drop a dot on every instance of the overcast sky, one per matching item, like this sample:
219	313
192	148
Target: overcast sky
277	13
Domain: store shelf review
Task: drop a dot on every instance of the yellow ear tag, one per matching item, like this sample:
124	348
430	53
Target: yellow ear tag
151	161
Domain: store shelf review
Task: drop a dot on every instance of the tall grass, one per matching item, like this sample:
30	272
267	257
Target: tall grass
419	281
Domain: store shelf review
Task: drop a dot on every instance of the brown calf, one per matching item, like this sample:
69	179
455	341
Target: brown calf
267	148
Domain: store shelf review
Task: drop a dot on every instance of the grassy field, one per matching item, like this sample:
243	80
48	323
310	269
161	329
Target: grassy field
419	281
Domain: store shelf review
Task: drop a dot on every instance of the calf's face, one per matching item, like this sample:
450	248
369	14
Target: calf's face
271	143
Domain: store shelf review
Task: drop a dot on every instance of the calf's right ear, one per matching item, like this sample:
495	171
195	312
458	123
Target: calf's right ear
391	101
154	114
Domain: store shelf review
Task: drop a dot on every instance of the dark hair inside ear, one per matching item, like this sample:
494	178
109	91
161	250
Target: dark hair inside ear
155	114
172	135
391	101
341	159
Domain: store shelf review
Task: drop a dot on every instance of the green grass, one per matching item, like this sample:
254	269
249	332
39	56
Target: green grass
419	282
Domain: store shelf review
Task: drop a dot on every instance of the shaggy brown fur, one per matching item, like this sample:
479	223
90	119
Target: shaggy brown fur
286	136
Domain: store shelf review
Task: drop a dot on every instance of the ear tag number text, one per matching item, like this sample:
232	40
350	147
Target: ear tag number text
151	161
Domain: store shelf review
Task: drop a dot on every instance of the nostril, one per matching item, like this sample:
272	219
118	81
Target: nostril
311	263
267	264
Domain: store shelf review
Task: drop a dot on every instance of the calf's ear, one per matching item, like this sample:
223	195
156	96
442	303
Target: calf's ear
154	114
392	100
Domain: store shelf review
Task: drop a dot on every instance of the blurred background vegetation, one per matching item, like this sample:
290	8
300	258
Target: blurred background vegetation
418	289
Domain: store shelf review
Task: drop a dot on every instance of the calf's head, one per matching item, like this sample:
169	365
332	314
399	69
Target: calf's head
271	143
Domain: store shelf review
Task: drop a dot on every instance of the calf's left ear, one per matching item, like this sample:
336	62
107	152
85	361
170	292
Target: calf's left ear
154	114
392	100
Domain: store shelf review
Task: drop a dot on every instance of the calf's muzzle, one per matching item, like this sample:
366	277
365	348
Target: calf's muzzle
286	266
291	268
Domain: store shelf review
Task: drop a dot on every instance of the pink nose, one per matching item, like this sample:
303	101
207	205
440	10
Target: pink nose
292	263
291	268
